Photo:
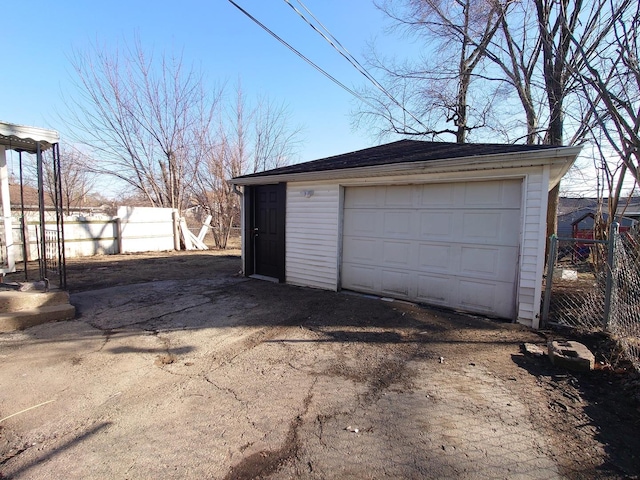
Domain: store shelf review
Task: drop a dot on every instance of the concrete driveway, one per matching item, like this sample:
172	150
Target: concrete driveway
236	378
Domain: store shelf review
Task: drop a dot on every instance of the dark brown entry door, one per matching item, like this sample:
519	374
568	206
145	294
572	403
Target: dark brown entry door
268	231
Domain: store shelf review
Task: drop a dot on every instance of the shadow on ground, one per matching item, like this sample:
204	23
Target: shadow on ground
405	369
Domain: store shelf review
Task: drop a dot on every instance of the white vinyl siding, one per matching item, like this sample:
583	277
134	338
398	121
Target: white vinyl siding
533	246
312	235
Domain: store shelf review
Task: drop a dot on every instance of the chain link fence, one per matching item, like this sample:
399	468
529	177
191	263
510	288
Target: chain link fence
595	285
624	318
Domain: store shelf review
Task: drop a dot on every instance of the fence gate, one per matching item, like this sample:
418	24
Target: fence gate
576	283
52	267
595	285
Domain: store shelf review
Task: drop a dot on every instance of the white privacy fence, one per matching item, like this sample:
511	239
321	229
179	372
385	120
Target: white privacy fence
133	229
145	229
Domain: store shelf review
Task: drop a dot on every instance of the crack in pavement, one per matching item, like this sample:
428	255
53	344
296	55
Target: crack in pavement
228	390
147	320
266	462
15	452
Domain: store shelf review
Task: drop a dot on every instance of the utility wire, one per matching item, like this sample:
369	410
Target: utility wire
318	68
336	45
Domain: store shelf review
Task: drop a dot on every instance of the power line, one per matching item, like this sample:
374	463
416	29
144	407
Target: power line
342	50
337	46
318	68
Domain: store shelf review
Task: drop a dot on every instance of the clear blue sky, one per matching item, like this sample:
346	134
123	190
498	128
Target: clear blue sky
38	37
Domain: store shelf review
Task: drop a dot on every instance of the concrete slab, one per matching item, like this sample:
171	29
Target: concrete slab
571	355
272	381
533	349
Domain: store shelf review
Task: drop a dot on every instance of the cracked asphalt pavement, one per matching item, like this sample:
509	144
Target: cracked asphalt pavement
227	377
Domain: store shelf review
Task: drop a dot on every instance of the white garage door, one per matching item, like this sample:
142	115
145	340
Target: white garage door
454	245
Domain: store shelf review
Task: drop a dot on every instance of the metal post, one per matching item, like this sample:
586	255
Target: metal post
551	261
26	254
613	235
57	175
41	207
118	233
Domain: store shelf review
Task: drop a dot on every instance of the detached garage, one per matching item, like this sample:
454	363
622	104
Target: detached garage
459	226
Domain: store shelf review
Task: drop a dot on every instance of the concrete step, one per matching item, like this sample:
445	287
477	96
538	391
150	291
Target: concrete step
16	301
19	320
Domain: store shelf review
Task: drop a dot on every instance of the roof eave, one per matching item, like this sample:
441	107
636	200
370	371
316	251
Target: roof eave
25	138
560	159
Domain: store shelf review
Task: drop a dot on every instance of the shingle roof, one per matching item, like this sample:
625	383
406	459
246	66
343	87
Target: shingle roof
402	151
568	205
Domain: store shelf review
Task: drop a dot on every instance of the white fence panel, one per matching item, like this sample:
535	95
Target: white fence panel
146	229
90	237
135	229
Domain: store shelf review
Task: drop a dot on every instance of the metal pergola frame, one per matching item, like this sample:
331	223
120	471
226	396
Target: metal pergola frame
35	141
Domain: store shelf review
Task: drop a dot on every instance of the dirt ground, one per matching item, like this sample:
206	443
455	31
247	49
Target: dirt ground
178	367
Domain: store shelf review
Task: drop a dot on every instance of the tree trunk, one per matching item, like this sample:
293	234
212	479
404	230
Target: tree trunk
552	211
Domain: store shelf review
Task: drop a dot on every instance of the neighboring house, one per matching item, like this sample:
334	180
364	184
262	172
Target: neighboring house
456	225
579	211
28	194
582	227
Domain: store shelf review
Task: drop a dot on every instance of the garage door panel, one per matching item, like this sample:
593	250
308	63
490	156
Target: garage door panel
478	296
436	289
512	194
454	245
490	263
485	226
438	195
493	263
492	194
398	196
361	250
483	261
361	222
435	256
397	224
495	227
360	277
397	253
364	197
395	282
436	225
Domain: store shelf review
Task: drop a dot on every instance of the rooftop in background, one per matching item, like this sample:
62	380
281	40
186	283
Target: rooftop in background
569	205
30	195
23	138
402	151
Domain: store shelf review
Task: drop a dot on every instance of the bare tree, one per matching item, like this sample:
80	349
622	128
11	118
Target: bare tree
567	36
141	116
437	87
550	53
275	141
248	139
610	81
76	178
